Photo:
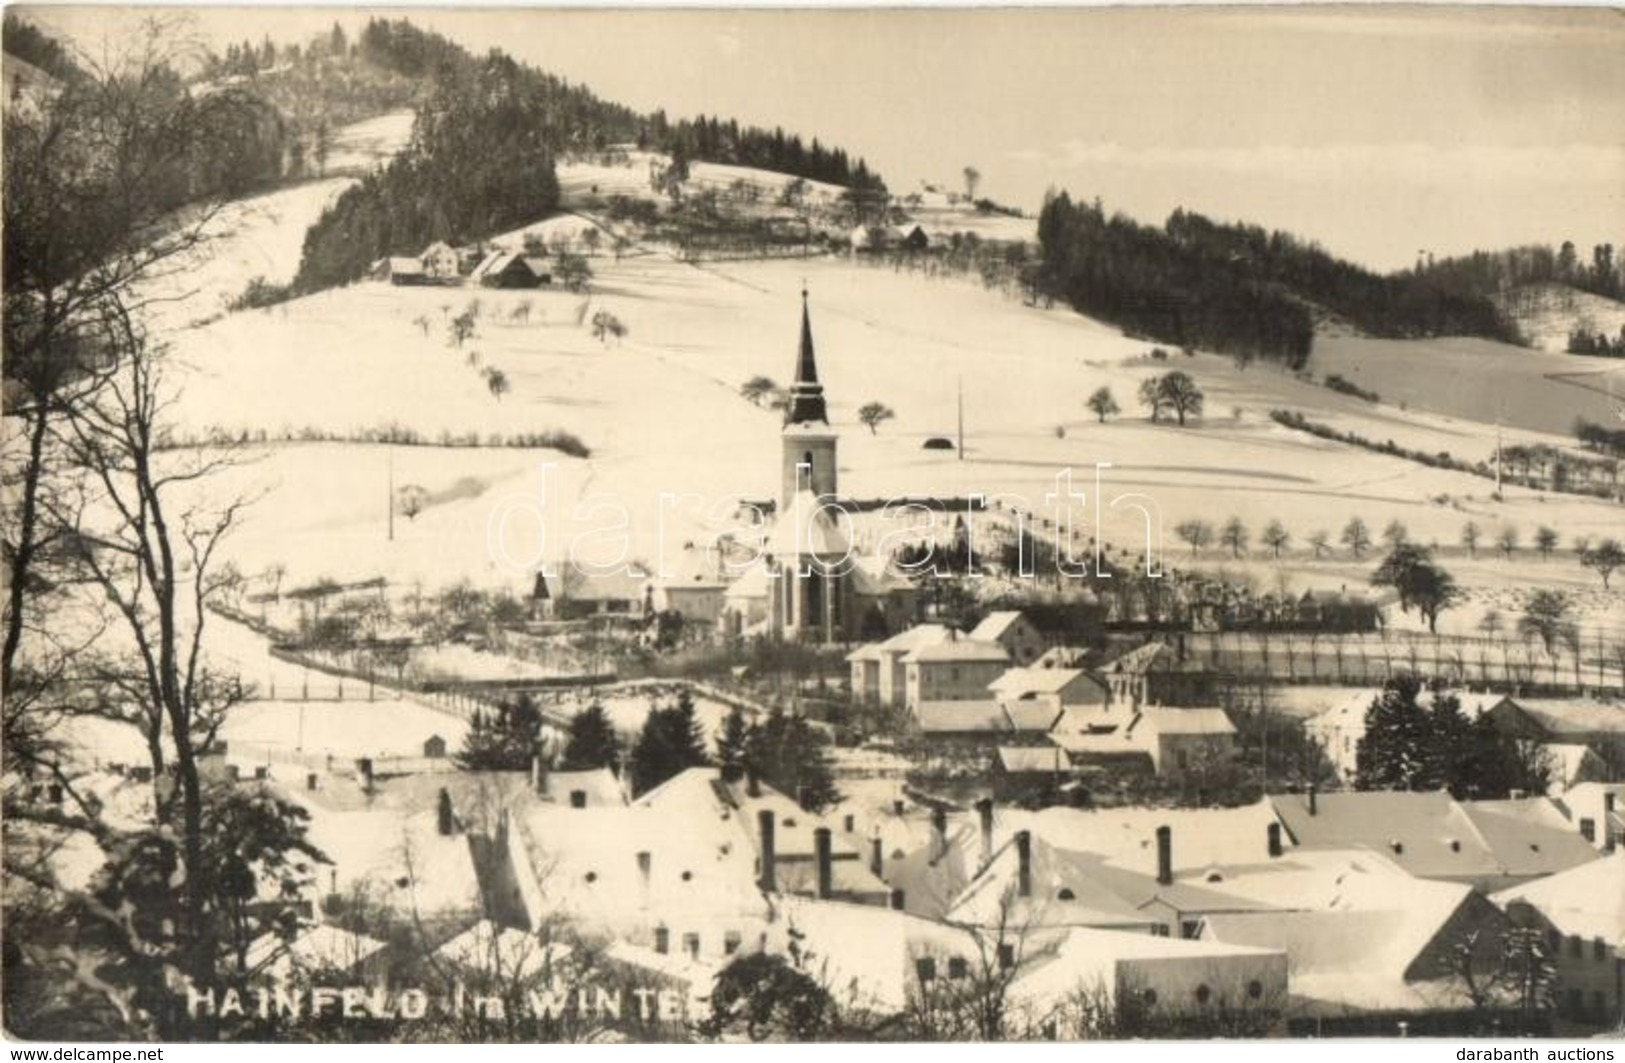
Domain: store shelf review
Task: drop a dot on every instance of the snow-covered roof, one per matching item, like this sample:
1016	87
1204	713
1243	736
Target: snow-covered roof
399	858
504	952
995	624
319	948
1024	682
957	650
1018	759
865	954
1586	901
1425	833
903	642
1531	840
600	787
1184	721
1062	892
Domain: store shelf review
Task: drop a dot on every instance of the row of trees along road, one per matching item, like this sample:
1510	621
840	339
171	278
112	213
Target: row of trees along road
110	556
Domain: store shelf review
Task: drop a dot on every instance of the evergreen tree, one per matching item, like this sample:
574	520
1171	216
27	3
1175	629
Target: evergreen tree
787	754
670	743
732	744
592	743
505	741
1392	754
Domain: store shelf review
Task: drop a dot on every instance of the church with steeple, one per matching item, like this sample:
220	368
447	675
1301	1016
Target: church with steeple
810	584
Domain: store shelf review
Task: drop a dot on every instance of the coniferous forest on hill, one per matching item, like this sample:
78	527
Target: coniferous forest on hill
483	148
1237	288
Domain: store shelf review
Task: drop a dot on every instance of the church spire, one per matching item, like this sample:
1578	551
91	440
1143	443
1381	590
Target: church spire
806	394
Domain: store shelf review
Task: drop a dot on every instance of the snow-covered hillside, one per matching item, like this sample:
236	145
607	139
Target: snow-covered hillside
1547	313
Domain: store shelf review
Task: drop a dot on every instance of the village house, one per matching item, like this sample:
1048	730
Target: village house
1597	812
441	263
1168	741
877	667
1053	688
955	669
1581	913
1369	946
505	269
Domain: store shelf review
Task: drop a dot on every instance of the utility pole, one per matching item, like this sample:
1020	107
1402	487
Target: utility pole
961	445
390	501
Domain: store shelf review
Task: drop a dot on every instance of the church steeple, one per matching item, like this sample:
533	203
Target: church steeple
806	403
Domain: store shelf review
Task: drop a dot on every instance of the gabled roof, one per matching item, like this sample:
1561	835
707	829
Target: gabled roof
501	951
1136	661
319	948
1025	682
1030	716
1572	716
1021	759
1586	901
1523	845
1062	892
1425	833
600	786
957	650
1183	721
995	624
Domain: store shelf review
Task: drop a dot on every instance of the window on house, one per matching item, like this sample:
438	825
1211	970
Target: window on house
1203	993
1599	949
1007	955
1576	946
1160	930
1554	942
1190	928
731	942
1255	989
1573	1002
957	967
925	968
662	940
691	945
1588	829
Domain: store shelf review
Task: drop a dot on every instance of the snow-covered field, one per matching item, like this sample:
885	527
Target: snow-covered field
1481	381
661	412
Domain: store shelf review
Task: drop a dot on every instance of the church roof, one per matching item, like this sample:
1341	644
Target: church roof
806	394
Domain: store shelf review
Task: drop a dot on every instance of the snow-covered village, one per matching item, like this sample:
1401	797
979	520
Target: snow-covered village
487	563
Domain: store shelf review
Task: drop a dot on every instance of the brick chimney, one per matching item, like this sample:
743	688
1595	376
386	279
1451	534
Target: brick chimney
364	765
753	785
1024	863
876	855
826	863
445	820
645	866
897	900
769	880
1314	800
578	799
984	813
939	834
1274	832
1165	855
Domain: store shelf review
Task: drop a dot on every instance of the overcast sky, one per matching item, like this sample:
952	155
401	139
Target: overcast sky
1379	132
